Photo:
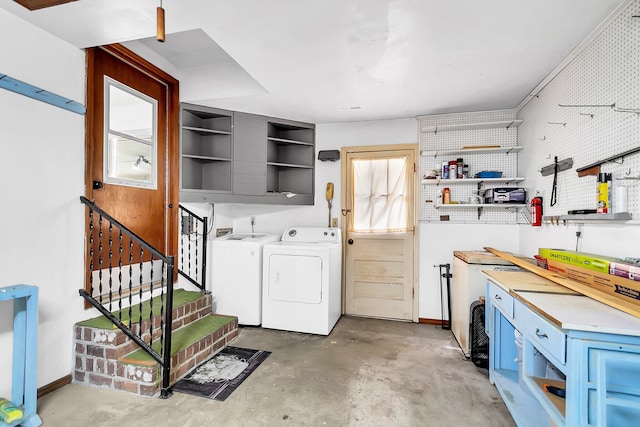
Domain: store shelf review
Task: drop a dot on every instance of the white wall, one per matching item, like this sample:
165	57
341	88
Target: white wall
439	240
605	71
41	179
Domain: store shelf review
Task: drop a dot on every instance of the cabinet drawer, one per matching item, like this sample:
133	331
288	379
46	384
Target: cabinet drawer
501	299
544	335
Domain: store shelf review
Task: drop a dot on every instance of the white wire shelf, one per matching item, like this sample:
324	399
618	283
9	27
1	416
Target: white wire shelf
438	181
507	124
470	150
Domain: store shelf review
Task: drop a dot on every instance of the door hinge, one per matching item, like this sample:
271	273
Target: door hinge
414	167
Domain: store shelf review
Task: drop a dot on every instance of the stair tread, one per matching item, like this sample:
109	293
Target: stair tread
180	297
181	338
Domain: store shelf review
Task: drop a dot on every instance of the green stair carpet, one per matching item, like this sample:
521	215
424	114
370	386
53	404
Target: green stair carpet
180	297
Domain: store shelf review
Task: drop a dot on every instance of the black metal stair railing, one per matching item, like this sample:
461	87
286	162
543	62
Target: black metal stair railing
193	253
131	283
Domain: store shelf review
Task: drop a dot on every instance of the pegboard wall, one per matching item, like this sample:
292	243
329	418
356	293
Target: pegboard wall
435	136
600	92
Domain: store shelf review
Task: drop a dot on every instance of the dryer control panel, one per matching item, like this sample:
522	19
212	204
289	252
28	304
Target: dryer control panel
311	235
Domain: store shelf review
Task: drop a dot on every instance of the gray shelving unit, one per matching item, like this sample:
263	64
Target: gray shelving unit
235	157
206	149
290	157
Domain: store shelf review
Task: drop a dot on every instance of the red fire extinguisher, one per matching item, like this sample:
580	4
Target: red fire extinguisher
536	211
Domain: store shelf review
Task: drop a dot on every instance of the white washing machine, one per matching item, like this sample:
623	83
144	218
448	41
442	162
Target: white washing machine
302	280
236	275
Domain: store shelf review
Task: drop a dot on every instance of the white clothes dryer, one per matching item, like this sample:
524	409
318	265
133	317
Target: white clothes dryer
236	275
302	276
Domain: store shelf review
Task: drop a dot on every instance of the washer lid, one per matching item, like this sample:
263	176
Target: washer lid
248	237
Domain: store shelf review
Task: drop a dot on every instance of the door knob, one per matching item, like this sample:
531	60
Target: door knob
350	241
97	185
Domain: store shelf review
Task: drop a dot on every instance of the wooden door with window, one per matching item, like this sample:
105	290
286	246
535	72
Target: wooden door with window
378	197
132	144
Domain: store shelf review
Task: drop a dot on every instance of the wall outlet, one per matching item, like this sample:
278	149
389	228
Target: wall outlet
334	222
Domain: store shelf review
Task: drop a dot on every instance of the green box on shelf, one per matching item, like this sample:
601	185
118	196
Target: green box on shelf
593	262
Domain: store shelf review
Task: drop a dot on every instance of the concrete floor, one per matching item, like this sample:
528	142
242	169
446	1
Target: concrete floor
368	372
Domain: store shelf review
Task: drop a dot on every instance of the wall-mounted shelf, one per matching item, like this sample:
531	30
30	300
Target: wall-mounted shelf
472	126
618	216
466	151
206	149
288	141
439	181
479	205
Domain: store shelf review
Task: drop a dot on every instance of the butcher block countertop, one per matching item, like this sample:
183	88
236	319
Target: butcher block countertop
526	281
485	257
480	257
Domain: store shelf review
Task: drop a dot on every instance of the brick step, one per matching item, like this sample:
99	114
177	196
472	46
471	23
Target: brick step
106	357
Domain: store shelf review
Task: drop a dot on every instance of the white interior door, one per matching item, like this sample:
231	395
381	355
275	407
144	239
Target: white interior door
378	199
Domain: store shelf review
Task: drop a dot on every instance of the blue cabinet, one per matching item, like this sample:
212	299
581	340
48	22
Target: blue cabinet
567	341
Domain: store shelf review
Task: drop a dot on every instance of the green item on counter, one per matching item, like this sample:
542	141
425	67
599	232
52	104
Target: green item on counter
9	412
593	262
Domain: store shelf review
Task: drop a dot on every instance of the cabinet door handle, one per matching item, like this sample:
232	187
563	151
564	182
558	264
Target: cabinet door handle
540	335
498	297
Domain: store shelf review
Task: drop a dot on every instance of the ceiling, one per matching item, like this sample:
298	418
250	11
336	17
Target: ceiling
340	60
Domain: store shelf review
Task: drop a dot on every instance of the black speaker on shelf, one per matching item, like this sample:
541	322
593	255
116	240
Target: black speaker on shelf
478	336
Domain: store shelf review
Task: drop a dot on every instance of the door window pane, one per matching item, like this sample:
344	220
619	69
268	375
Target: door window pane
130	136
380	194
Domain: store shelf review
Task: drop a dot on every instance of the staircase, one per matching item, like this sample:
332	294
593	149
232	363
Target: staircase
106	357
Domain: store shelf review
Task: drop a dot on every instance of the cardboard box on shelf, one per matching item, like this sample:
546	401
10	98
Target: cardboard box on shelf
579	259
605	282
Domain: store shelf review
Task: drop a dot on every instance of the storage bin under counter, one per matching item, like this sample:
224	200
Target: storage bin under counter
593	348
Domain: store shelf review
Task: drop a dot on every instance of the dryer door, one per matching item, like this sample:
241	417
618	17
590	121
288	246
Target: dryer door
295	278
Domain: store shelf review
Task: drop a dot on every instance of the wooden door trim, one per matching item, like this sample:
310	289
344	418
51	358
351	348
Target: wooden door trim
344	204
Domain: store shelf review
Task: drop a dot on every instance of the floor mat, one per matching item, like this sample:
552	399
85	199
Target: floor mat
219	376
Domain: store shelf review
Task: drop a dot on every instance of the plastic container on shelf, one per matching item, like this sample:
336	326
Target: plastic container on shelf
446	196
445	170
489	174
453	169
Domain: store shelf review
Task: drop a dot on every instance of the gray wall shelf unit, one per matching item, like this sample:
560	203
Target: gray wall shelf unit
234	157
290	157
206	149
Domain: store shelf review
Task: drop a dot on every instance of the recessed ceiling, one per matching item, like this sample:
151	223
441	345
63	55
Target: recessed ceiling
340	60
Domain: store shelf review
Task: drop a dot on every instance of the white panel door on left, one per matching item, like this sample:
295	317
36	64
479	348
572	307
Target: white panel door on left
295	278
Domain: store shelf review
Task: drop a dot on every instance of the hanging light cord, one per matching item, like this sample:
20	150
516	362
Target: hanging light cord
160	24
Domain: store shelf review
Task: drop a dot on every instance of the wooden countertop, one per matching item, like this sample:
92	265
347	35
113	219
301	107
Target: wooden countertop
567	309
526	281
480	257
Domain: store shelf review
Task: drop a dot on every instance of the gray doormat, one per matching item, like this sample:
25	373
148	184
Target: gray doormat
219	376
